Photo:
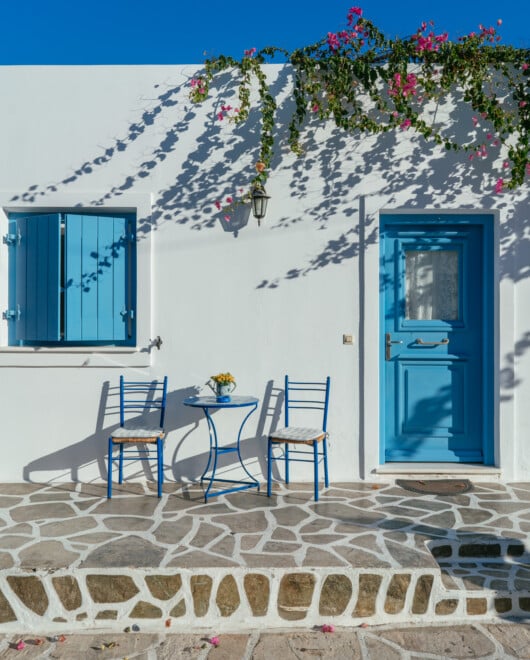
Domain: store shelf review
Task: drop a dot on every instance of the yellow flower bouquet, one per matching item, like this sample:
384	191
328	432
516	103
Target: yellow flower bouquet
222	385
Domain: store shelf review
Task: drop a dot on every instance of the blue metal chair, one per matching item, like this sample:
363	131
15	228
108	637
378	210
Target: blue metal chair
144	398
302	395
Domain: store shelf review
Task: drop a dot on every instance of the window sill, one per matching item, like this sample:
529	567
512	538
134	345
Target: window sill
74	356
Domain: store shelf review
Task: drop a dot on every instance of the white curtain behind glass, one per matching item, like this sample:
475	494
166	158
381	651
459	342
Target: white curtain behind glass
431	280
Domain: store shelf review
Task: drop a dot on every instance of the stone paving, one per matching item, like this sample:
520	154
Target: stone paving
486	641
365	551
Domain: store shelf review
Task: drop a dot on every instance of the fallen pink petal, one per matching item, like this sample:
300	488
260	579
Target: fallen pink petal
21	645
215	641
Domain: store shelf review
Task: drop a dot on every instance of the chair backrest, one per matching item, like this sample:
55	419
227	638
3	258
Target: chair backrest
142	397
307	395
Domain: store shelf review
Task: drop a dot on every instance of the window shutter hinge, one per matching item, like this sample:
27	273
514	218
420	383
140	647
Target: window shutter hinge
11	239
128	313
129	237
11	314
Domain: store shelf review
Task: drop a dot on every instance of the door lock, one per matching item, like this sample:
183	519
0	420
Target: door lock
388	345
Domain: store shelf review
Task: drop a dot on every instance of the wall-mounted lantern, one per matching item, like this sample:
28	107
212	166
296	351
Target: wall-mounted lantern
259	202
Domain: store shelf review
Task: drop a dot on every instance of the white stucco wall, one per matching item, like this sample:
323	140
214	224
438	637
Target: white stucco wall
275	299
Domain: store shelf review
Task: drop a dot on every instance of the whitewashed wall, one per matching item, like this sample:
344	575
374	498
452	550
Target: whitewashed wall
271	300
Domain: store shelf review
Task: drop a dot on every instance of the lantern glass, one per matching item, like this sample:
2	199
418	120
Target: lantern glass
259	202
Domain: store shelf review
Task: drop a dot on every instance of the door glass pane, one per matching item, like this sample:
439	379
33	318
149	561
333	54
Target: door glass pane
431	285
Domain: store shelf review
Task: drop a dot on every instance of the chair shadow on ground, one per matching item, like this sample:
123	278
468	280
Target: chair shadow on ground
92	449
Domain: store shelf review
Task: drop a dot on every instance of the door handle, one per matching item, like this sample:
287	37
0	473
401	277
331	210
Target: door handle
388	344
444	342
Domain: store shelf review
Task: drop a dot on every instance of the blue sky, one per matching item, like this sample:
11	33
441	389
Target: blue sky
182	31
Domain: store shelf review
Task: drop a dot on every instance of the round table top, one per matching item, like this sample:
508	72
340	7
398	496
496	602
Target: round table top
212	402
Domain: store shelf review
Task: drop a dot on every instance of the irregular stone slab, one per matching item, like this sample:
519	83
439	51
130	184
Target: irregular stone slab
251	501
6	560
21	528
130	551
250	541
42	511
290	646
111	588
179	609
368	589
335	595
50	497
396	593
426	504
359	558
322	539
30	591
446	606
107	615
257	590
8	502
225	546
206	534
256	560
283	534
127	524
201	589
347	515
514	637
408	557
21	488
197	559
279	546
6	612
10	541
93	538
422	594
68	591
163	587
315	526
476	606
503	605
295	595
173	532
47	554
447	642
125	506
68	527
145	610
227	598
445	520
319	557
290	516
247	523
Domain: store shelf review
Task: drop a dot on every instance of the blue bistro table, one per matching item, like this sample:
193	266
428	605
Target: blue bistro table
208	403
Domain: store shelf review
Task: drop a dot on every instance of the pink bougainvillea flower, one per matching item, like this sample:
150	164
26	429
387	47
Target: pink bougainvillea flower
499	21
328	628
333	41
506	164
522	104
218	205
499	185
250	52
20	645
528	168
220	116
489	136
229	200
474	120
405	124
215	641
227	218
315	107
525	66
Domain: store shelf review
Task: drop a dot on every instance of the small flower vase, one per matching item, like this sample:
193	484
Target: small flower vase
222	391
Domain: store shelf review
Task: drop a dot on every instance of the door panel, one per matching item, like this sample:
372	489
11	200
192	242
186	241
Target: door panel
433	321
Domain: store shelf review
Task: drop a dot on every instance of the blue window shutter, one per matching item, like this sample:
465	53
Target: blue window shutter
96	278
37	294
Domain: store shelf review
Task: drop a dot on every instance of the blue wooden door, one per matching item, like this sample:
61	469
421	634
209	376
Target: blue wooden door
436	355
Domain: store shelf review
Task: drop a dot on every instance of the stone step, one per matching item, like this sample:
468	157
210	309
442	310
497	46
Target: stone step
239	599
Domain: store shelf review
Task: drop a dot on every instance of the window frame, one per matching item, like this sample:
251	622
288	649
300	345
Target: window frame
68	354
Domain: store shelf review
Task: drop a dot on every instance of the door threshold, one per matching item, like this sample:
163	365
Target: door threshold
474	471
